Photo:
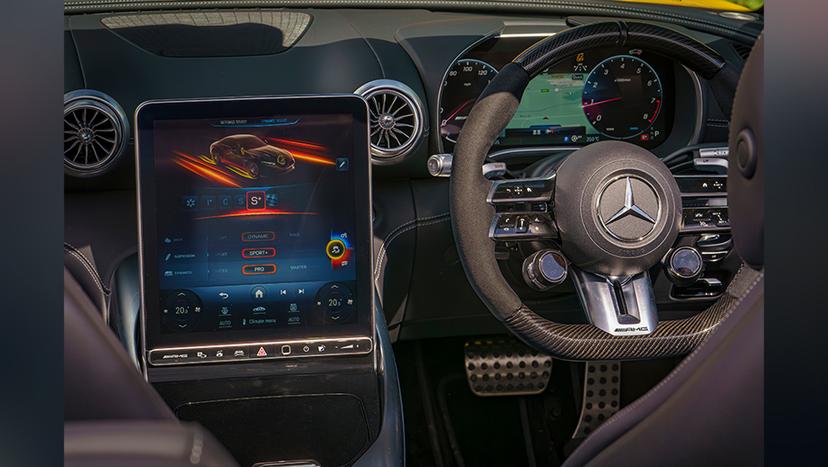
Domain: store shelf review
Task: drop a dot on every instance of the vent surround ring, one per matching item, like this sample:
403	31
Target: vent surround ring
395	118
95	132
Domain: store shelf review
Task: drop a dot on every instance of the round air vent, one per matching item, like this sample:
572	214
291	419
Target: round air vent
396	118
95	132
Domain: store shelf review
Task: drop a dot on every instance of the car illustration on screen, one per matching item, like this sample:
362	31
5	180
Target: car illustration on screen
251	155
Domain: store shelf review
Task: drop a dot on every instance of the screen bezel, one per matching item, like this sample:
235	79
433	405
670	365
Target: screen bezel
241	107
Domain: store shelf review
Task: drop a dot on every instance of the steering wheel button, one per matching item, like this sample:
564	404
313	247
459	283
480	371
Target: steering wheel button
720	217
695	185
705	218
522	225
506	223
522	191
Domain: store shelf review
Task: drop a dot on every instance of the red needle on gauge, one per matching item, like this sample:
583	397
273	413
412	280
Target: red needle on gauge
458	110
602	102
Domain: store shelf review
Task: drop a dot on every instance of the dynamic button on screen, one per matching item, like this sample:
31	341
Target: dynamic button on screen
258	236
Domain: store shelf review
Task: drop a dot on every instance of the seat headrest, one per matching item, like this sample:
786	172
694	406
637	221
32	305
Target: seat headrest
745	177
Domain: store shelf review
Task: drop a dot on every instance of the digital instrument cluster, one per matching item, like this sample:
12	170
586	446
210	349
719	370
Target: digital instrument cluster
251	230
612	93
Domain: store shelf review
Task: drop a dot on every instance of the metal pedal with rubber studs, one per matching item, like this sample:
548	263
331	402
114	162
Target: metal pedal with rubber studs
601	396
505	367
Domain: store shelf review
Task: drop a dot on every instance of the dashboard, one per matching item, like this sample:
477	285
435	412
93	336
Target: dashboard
442	61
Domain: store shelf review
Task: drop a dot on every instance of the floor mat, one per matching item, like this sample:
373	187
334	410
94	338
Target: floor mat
448	425
481	431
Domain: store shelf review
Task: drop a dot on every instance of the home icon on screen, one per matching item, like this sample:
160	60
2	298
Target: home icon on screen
258	292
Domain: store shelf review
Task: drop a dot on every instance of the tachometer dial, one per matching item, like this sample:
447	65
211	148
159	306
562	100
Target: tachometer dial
464	82
622	96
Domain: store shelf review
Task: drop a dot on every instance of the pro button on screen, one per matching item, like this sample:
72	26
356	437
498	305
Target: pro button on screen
255	269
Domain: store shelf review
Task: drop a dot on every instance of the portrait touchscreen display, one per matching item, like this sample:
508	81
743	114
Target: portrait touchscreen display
255	230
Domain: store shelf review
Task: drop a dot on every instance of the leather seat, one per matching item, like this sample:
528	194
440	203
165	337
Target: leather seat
137	443
100	381
112	416
709	410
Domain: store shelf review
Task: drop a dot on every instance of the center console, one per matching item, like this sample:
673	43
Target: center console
258	313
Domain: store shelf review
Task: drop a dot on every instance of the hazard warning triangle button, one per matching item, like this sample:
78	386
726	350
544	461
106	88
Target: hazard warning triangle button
262	352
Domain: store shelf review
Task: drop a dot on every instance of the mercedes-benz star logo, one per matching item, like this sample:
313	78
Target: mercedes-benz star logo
630	208
633	220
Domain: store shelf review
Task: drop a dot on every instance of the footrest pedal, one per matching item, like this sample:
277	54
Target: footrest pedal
601	396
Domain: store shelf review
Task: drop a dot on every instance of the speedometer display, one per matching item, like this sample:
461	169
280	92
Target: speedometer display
464	82
622	97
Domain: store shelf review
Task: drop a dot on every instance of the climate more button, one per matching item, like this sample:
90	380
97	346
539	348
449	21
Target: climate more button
259	321
256	269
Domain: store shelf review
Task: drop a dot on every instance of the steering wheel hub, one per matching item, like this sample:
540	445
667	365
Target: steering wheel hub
617	207
638	208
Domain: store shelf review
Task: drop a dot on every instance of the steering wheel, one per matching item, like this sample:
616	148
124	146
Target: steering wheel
613	208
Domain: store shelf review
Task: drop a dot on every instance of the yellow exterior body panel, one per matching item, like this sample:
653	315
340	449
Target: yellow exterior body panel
706	4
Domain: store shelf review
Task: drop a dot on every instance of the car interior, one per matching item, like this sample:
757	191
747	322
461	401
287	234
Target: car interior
427	232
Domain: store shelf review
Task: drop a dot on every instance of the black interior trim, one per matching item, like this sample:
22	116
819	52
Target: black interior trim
700	19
